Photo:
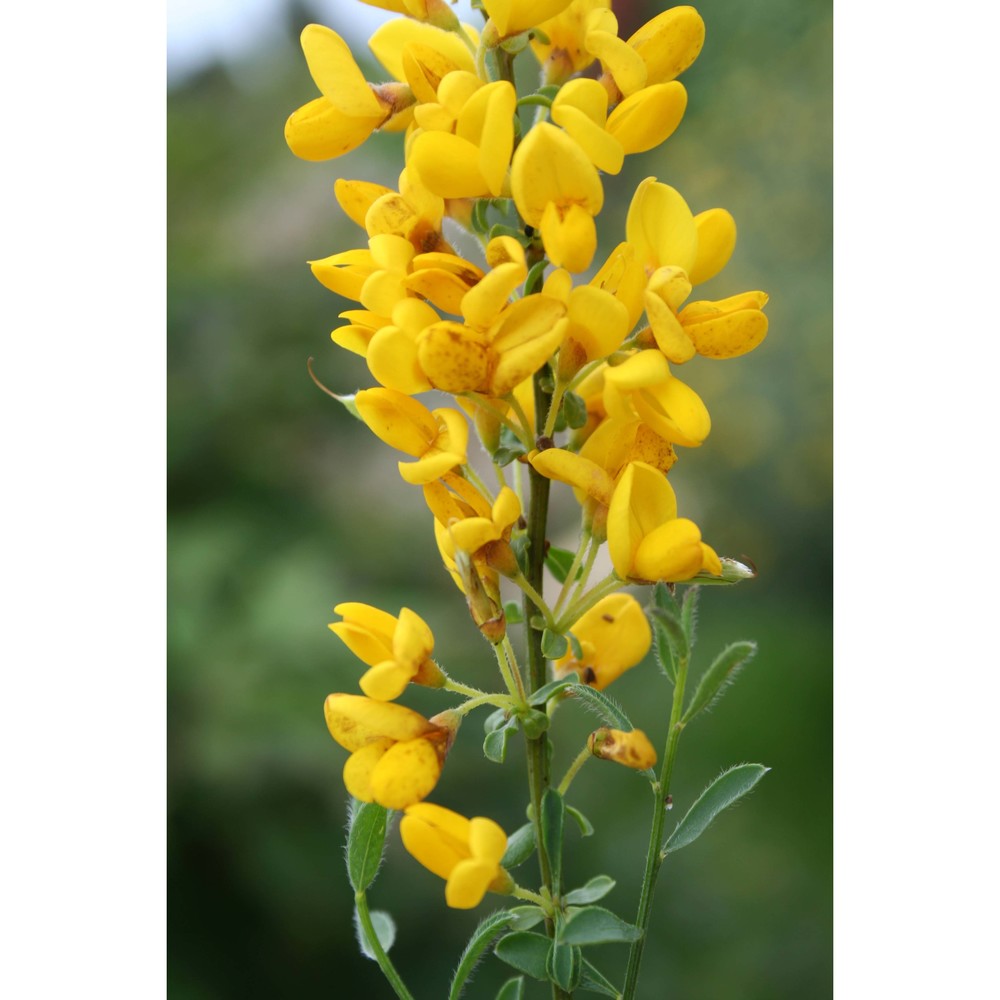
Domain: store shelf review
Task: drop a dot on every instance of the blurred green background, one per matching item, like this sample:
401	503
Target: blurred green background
281	506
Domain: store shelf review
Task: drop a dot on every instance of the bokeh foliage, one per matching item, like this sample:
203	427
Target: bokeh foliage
281	506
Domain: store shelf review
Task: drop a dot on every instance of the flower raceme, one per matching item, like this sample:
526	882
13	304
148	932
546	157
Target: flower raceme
397	650
396	754
466	853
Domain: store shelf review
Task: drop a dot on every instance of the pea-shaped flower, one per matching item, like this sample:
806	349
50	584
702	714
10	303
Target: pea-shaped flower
613	636
465	852
631	749
398	650
647	541
396	754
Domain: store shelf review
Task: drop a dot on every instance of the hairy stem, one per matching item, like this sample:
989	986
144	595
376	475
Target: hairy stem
388	969
653	859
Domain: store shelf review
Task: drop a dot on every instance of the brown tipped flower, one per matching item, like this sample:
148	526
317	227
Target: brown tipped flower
632	749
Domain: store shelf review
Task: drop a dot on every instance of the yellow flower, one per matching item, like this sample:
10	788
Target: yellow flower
467	853
396	754
613	635
558	191
437	439
350	108
647	541
465	140
679	250
632	748
398	650
643	388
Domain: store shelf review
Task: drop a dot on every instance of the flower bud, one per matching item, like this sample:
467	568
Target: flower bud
632	749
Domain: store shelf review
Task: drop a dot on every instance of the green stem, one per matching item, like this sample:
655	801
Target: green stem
525	438
532	897
510	678
497	700
388	969
607	586
581	758
515	670
518	432
557	395
653	858
537	748
585	539
473	477
536	598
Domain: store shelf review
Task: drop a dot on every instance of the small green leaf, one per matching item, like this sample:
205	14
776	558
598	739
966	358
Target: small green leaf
727	788
502	230
533	281
512	612
594	981
560	562
365	843
519	545
385	931
599	703
596	925
575	409
496	720
719	676
545	692
523	918
672	645
586	827
689	614
513	989
576	647
495	744
553	645
525	951
520	846
597	888
553	814
481	938
563	964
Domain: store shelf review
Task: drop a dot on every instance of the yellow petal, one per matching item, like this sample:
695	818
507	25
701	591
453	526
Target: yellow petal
615	636
671	552
413	640
391	39
649	117
438	844
670	336
632	749
386	681
397	419
598	321
495	135
393	360
319	131
729	335
406	773
675	411
483	303
336	74
454	357
528	334
443	288
448	165
619	59
661	227
557	463
359	767
512	16
355	721
716	242
356	197
371	647
506	509
468	883
569	236
642	501
669	43
624	276
710	561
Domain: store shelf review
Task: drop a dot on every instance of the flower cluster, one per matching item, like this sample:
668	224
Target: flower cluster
561	362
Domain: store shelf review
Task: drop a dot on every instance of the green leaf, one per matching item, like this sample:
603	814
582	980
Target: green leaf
496	720
599	703
512	612
563	965
560	562
727	788
689	614
719	676
525	951
553	645
513	989
575	409
586	827
481	938
596	925
523	918
495	744
533	281
593	980
519	545
365	843
520	846
670	642
385	931
545	692
597	888
553	814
